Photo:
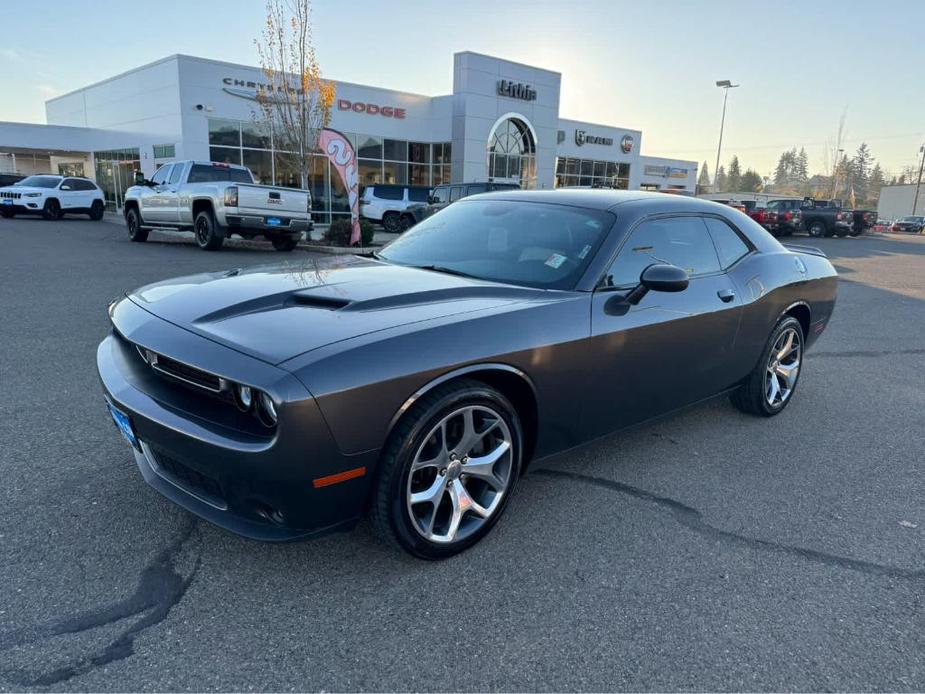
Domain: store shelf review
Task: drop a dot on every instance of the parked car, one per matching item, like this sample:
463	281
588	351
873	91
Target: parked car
766	217
417	386
912	223
387	204
10	179
215	201
734	204
882	225
826	218
448	193
52	197
863	221
789	215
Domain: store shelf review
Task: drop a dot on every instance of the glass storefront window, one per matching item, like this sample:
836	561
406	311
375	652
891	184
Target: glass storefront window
419	152
261	165
224	132
599	168
255	135
396	150
369	147
447	158
225	155
394	172
419	174
339	201
368	172
586	167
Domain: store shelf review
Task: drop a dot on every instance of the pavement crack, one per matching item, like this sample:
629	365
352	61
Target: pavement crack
692	519
867	353
160	588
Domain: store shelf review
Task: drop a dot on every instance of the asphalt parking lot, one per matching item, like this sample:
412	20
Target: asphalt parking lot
708	551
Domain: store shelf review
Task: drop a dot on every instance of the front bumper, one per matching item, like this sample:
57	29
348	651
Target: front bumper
23	207
194	452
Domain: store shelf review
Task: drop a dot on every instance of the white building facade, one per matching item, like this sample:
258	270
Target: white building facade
500	123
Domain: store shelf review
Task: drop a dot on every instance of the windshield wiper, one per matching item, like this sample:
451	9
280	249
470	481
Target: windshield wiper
445	270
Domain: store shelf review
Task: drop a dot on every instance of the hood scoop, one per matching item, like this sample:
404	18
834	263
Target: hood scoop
434	296
323	301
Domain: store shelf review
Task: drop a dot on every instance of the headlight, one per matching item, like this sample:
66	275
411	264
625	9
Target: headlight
267	410
32	195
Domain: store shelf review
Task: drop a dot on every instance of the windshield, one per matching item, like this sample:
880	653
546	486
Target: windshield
526	243
915	220
39	181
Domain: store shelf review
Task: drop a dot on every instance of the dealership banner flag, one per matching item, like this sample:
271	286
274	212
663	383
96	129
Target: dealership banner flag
342	155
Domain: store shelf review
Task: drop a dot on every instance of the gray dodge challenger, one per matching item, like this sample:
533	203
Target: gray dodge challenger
417	386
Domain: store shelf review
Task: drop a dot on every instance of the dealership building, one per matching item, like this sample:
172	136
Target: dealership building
500	123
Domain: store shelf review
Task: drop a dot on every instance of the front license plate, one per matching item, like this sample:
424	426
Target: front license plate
274	221
123	424
7	201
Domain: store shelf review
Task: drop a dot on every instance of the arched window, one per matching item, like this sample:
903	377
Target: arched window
512	153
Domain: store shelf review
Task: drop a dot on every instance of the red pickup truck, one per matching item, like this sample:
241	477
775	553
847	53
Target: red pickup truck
765	216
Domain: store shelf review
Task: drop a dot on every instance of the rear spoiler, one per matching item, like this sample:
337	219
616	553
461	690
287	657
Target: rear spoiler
808	250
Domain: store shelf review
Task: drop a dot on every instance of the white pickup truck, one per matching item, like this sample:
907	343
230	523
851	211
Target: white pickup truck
214	201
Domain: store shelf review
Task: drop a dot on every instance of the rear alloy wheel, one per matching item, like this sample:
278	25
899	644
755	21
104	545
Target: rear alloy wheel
133	224
284	243
392	223
816	229
770	386
208	236
448	470
51	209
96	210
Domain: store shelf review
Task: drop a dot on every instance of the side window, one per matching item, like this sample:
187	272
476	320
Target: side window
160	176
442	194
175	174
70	183
417	194
456	192
85	185
729	245
477	188
681	241
389	192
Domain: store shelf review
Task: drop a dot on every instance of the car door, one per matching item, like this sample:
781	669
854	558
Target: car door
170	196
670	349
69	196
152	199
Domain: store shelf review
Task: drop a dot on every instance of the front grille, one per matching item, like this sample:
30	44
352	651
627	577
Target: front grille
196	483
184	372
14	196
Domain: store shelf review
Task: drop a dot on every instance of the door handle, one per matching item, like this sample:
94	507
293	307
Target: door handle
726	295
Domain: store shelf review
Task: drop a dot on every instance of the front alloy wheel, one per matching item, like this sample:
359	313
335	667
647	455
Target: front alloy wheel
460	474
448	470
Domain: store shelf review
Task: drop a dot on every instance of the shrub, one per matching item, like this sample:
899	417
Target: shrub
338	233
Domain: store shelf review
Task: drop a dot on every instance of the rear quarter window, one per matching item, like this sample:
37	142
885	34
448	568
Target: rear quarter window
389	192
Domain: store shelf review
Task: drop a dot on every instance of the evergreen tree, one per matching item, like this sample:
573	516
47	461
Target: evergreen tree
784	171
734	178
719	183
703	180
751	181
801	167
874	185
860	172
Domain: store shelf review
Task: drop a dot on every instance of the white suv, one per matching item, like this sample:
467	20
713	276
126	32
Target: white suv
52	197
388	203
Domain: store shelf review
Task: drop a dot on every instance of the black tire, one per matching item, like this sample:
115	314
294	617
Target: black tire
284	243
389	513
133	225
751	396
208	236
817	229
96	210
51	210
391	222
407	221
7	214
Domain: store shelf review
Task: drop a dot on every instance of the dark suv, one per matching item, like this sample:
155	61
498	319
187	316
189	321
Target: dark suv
448	193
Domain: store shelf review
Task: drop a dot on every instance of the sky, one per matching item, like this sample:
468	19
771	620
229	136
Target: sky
802	66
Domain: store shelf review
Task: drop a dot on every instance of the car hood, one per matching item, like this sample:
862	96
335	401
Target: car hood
277	312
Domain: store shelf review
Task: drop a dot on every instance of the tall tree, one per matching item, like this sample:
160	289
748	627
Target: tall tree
295	104
875	183
750	181
703	180
860	171
719	182
734	178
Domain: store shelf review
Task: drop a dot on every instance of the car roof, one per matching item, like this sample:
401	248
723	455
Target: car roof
605	199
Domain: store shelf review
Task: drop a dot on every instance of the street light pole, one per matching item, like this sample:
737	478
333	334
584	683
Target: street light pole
918	185
726	85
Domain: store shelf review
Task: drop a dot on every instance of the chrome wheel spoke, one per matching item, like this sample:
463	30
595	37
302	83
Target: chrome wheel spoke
441	458
787	346
432	495
773	388
483	467
470	437
788	373
783	367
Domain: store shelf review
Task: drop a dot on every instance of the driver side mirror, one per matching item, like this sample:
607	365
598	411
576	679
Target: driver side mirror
660	277
65	187
431	199
140	179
